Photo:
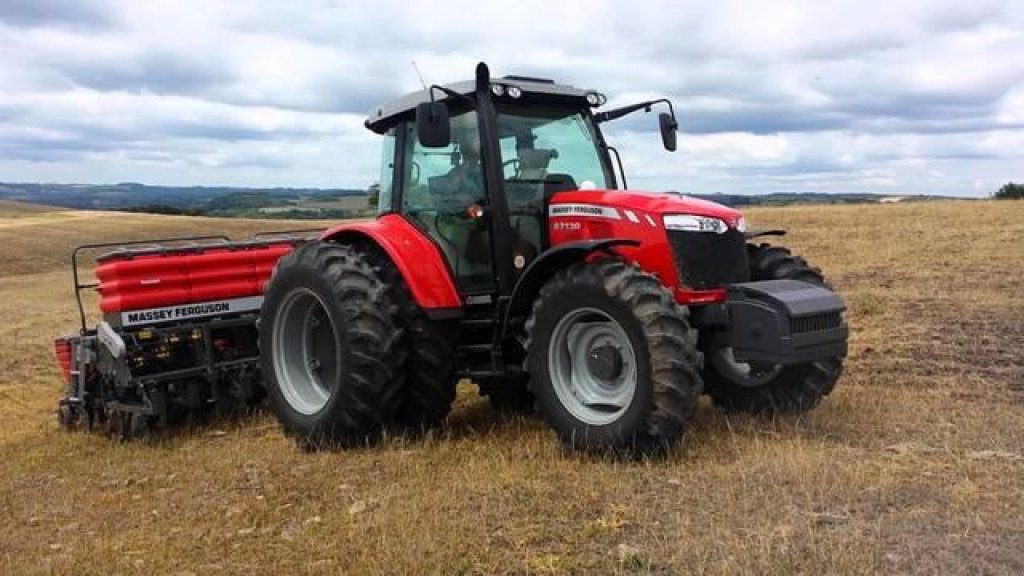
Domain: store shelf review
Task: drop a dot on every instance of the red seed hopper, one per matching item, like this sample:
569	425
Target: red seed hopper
173	284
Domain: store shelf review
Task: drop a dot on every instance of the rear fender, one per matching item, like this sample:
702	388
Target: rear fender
416	257
546	265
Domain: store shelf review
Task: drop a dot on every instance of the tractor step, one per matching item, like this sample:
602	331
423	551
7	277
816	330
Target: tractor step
477	323
510	372
475	348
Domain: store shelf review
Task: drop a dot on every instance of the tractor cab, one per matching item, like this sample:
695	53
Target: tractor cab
474	164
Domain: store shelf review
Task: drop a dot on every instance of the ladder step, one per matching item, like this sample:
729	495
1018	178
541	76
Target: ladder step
474	348
510	372
477	322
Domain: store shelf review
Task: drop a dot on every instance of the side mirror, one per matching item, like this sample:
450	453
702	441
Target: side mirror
668	127
433	127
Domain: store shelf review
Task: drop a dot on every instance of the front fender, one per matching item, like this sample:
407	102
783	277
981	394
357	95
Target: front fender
546	265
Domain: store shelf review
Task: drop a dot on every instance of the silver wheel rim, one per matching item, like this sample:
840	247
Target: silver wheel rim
580	344
746	374
305	351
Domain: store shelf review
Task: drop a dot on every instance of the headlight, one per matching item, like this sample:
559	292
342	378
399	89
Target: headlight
691	223
741	224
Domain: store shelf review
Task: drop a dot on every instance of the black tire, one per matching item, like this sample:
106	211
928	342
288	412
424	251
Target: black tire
122	426
114	425
668	383
508	395
795	388
356	317
430	378
769	262
67	416
140	427
430	370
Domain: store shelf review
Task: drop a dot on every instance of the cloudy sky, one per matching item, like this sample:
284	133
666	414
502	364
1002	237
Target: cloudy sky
843	96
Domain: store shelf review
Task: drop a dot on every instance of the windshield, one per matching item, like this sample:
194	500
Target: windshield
541	144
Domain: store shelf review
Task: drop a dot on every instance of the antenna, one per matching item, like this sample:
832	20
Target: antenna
420	76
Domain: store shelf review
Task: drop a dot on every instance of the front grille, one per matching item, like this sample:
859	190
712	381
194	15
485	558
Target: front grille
817	323
709	260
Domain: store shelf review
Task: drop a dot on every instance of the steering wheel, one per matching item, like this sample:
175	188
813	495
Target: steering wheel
514	162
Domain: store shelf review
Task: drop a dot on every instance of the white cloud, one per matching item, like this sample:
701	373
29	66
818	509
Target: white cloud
829	96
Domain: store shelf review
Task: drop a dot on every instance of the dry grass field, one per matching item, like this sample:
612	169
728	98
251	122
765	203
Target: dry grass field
913	465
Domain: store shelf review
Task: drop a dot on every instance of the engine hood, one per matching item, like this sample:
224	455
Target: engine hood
649	203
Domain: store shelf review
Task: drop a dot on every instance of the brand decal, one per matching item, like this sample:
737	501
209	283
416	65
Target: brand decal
181	312
557	210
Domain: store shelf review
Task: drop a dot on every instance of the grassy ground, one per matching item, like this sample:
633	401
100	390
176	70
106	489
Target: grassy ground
913	465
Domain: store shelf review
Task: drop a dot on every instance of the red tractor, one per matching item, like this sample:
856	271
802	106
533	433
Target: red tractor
508	251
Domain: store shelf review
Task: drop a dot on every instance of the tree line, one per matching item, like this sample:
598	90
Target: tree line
1010	191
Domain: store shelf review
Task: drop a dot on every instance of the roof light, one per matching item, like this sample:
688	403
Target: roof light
596	98
514	92
498	89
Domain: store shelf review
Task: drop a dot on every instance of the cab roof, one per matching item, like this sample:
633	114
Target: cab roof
385	116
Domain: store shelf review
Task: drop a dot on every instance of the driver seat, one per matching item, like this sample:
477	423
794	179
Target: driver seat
533	162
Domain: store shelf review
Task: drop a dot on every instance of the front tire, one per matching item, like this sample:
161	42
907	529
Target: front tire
767	389
612	359
330	346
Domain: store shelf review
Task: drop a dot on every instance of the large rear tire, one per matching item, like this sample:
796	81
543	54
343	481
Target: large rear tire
430	372
612	359
330	346
430	378
756	388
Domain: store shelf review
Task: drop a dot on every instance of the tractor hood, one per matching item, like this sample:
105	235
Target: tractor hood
642	204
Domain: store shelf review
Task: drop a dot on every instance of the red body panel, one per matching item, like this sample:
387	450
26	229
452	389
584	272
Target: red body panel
132	281
637	216
422	264
417	258
62	349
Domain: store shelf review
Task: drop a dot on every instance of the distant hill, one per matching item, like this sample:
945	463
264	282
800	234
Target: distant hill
309	202
192	200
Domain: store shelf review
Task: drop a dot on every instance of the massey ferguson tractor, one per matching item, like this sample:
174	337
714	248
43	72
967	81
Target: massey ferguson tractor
509	251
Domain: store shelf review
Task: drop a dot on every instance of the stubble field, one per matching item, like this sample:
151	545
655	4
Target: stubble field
914	465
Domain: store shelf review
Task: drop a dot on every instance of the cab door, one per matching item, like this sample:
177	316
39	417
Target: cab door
443	193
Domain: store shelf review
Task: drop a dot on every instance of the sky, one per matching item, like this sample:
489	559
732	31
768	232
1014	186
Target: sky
895	97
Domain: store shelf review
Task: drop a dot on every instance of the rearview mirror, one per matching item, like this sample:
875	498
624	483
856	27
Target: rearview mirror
433	127
668	127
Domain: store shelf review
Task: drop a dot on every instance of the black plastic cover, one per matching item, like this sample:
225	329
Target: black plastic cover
784	322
